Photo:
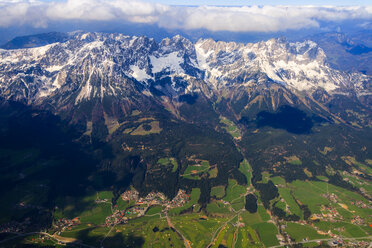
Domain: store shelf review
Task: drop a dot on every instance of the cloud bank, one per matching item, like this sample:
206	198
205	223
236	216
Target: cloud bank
236	19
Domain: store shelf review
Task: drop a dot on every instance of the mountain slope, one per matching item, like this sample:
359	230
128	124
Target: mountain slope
97	66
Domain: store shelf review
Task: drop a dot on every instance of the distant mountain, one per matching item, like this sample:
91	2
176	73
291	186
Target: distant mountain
345	53
37	40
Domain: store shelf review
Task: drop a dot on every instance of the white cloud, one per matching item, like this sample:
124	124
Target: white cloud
105	10
246	18
262	19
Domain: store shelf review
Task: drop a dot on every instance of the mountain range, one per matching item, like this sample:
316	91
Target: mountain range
89	112
113	67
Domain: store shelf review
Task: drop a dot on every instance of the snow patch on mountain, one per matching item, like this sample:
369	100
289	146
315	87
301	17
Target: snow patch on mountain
139	74
169	62
96	65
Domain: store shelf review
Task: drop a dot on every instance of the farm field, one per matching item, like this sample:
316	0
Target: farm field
218	192
230	127
246	169
194	171
169	161
299	232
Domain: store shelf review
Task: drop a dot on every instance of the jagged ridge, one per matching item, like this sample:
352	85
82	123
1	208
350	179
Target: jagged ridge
138	70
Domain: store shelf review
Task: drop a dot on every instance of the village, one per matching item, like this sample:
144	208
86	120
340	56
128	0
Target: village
14	226
141	205
328	213
64	224
156	199
138	206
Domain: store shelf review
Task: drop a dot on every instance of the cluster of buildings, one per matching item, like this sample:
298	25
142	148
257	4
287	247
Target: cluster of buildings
281	239
328	214
130	195
14	226
179	200
65	223
152	199
331	197
339	242
360	244
361	204
155	198
138	210
357	220
117	218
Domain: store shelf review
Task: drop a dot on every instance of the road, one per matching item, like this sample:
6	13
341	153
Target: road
320	240
56	237
215	234
185	240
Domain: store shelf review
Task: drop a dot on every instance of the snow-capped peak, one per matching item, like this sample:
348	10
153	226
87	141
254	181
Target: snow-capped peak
100	64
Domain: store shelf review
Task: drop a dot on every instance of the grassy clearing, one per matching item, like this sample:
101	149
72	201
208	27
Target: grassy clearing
128	130
136	112
323	178
267	233
246	169
222	236
326	150
247	237
278	180
96	215
352	161
108	195
154	210
122	205
234	191
218	192
265	177
146	129
111	123
217	207
238	204
307	194
282	205
169	161
86	208
251	219
193	171
293	206
71	207
230	127
299	232
213	172
263	214
293	160
343	228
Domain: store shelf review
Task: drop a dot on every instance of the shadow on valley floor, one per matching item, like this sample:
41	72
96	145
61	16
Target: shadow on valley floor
41	164
85	238
286	117
118	240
